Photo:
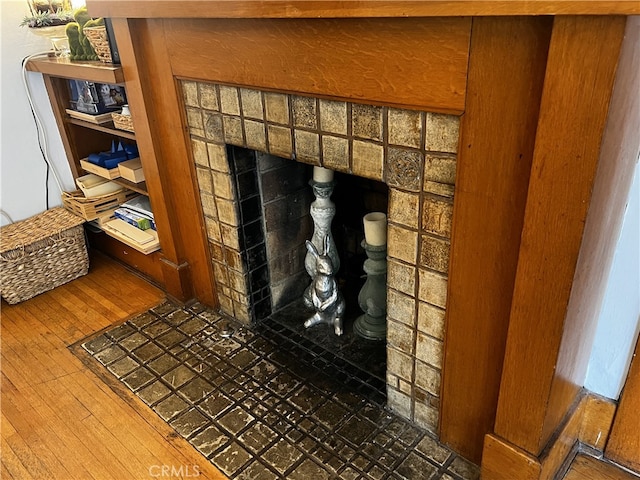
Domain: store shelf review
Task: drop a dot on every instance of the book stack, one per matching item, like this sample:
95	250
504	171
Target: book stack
134	224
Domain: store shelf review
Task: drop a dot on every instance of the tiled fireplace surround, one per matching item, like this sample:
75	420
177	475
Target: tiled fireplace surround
413	152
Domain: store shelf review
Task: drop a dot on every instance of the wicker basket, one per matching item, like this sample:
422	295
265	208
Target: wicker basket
123	122
98	39
41	253
94	207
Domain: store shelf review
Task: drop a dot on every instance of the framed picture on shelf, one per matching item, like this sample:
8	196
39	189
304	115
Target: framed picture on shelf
96	98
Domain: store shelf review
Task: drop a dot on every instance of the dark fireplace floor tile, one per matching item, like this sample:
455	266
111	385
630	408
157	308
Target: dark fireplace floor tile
270	402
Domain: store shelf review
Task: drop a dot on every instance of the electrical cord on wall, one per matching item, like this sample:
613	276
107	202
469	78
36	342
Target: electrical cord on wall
40	131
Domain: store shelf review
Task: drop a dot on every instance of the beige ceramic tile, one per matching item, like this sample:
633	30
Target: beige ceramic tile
209	96
213	229
403	207
233	130
432	288
335	153
234	259
255	135
213	130
399	403
217	253
437	215
428	378
242	313
439	189
434	253
229	102
402	244
401	307
405	127
392	381
279	141
218	157
427	417
399	363
223	185
333	116
304	112
200	155
227	212
400	337
404	168
277	107
405	387
194	120
226	305
220	273
367	160
251	103
429	350
237	281
208	203
204	180
442	133
230	236
366	121
440	168
307	147
431	320
190	93
401	277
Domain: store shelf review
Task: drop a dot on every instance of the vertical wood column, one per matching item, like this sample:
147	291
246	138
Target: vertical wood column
497	133
156	108
552	318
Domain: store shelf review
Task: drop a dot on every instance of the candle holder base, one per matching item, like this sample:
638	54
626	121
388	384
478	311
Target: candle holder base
371	328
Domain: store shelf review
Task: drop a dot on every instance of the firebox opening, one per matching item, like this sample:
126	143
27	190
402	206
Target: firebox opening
274	197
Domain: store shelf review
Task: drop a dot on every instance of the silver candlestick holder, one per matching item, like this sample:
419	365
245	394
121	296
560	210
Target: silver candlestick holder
322	212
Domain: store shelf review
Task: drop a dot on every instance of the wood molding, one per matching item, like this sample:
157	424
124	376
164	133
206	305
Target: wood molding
496	147
548	343
589	423
354	8
177	279
170	177
419	63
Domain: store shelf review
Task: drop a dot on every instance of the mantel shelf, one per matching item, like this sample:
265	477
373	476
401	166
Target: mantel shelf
62	67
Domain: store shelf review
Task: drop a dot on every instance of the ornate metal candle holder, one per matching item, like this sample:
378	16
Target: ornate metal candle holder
322	212
373	295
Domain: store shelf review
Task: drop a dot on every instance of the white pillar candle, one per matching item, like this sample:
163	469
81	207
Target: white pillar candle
375	228
322	175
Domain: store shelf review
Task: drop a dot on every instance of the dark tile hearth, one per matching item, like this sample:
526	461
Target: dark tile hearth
267	402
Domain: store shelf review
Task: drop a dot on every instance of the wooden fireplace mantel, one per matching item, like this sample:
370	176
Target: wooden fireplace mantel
548	143
355	8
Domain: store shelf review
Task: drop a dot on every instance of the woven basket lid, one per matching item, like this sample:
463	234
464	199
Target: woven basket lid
36	228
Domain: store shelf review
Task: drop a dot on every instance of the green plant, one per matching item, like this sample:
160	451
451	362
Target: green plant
47	13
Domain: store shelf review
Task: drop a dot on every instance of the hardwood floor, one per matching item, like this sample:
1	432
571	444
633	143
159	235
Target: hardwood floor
59	419
585	467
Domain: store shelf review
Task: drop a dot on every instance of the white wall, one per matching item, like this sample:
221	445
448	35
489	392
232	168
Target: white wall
22	169
22	178
619	321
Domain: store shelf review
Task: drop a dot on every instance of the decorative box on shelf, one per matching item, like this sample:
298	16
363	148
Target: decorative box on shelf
132	170
41	253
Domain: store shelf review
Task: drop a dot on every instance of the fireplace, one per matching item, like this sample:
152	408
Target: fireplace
412	152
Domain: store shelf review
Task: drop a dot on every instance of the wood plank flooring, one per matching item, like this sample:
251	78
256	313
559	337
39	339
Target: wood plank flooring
59	420
585	467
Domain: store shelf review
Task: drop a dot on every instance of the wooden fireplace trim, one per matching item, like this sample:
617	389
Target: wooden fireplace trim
152	83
